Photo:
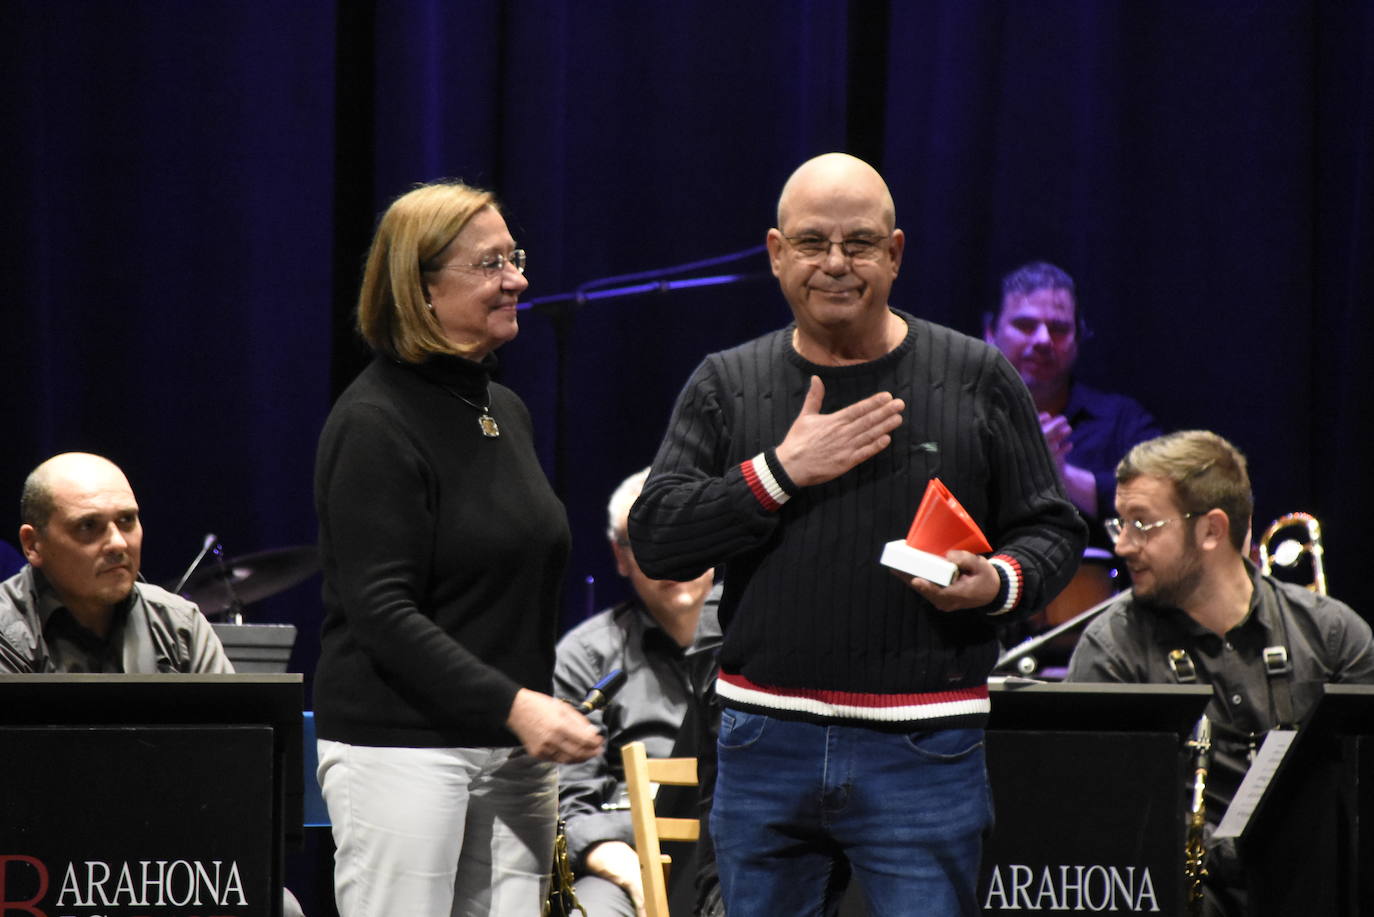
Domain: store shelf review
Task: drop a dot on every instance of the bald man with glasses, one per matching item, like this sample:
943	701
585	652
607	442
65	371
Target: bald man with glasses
851	740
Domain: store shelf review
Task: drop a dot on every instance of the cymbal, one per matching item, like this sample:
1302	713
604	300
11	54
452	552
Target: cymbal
254	577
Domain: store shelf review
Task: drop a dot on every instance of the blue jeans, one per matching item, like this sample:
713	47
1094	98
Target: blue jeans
799	805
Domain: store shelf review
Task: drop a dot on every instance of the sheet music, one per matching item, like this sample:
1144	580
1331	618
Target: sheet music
1257	779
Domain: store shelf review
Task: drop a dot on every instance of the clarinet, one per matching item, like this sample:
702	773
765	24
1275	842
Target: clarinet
1195	848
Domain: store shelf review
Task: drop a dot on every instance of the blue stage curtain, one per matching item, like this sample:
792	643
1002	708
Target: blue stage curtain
168	187
190	188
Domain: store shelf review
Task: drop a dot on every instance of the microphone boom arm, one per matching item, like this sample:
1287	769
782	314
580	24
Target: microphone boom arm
1031	644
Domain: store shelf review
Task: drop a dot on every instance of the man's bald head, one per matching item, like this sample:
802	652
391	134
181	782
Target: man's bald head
36	503
837	175
81	530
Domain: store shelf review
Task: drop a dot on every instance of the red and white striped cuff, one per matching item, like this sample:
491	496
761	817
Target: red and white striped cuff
1011	568
762	483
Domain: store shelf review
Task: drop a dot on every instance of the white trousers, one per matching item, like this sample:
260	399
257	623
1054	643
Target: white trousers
432	832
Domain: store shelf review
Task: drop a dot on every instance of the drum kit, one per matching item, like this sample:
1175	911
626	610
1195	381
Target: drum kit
221	586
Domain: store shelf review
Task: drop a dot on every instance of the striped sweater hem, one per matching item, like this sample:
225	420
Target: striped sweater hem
887	709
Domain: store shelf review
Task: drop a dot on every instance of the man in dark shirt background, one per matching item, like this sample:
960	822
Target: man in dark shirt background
1039	328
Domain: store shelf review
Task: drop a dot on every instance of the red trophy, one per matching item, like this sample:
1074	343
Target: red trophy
941	525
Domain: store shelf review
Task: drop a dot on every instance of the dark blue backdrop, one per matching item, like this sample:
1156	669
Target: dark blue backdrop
190	188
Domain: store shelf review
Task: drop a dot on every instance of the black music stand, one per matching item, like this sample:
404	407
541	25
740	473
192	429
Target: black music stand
1088	788
157	793
1309	846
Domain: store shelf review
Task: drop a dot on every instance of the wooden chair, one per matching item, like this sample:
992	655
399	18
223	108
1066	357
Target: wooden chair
641	772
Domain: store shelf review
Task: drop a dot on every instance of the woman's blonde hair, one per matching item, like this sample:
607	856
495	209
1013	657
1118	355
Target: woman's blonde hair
393	315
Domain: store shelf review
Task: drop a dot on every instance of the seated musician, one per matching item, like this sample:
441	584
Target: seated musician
1199	612
78	606
663	639
1038	327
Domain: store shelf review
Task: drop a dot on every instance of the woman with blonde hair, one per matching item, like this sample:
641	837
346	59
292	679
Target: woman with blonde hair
444	549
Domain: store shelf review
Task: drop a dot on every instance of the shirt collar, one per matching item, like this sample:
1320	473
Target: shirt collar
1264	614
650	631
707	637
1259	615
1080	403
468	377
47	602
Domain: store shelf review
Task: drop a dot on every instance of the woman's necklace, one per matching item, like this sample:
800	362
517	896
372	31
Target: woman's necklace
484	419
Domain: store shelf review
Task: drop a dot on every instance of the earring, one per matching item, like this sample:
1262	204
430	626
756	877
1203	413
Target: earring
430	306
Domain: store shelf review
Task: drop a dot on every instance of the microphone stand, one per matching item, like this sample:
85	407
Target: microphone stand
210	540
234	613
560	307
1030	645
546	304
626	285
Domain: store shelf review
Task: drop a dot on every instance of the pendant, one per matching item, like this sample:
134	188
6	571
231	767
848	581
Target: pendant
488	425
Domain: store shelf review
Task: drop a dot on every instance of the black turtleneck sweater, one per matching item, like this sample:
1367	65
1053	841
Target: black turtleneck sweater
443	553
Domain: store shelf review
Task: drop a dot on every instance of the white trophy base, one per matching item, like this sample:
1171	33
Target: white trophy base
901	556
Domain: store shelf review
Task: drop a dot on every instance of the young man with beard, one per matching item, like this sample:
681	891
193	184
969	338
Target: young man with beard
1199	612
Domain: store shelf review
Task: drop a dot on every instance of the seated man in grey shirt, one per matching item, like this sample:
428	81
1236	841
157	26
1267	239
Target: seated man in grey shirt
662	640
77	606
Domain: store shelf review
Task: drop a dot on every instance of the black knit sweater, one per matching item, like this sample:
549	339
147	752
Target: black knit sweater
815	627
443	556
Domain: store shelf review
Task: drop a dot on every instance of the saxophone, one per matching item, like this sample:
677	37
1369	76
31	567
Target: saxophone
562	898
1194	848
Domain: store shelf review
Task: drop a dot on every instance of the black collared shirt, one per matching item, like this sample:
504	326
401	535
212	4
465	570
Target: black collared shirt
73	648
1326	643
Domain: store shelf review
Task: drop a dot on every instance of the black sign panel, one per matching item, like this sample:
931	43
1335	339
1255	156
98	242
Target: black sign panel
151	821
1086	822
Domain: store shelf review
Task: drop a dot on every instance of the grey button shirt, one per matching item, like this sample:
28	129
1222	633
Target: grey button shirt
649	708
154	632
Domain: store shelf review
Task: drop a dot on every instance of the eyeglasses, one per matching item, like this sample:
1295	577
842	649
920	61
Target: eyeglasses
493	264
1137	529
810	247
